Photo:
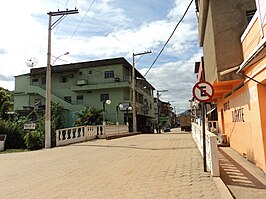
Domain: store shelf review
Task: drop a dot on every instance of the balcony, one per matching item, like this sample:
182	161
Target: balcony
254	41
117	82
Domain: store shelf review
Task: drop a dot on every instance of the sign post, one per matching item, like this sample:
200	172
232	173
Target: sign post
203	92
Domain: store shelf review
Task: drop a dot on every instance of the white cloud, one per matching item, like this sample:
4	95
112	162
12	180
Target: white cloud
110	29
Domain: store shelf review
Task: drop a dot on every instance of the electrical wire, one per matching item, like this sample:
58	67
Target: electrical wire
83	19
169	38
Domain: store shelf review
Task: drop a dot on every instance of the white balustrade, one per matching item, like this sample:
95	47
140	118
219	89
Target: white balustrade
211	148
84	133
213	127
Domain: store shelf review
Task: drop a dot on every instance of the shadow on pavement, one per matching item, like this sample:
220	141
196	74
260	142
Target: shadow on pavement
133	147
232	173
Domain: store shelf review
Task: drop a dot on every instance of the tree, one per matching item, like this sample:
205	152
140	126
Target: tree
89	116
5	103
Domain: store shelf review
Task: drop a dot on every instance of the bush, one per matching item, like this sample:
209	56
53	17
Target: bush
15	134
34	140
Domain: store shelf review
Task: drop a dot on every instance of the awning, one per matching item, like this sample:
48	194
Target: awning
223	87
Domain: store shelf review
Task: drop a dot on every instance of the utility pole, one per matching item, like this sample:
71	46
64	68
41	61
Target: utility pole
48	72
133	81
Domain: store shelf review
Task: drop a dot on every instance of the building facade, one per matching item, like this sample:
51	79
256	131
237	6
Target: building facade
232	34
88	84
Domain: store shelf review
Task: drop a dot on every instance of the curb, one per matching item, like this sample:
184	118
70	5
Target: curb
223	190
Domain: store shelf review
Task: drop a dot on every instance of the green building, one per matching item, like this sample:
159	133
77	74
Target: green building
88	84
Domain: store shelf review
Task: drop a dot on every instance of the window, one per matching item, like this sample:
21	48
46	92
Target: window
67	99
80	72
34	82
104	97
90	72
109	74
80	99
63	79
43	81
140	98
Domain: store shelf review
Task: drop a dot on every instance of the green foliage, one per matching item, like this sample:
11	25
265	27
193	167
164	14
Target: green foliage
5	103
57	120
15	134
89	116
34	140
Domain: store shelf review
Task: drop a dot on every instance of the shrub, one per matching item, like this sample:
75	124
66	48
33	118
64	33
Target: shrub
15	134
34	140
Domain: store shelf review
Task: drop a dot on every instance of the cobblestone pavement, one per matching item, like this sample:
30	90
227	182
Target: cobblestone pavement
143	166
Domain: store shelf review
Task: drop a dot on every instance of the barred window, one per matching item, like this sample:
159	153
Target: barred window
109	74
104	97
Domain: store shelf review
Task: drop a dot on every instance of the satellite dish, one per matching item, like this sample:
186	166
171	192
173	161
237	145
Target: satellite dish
31	62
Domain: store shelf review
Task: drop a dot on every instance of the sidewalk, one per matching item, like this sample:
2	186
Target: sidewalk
243	179
145	166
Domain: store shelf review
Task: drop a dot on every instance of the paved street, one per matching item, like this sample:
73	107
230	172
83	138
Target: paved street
143	166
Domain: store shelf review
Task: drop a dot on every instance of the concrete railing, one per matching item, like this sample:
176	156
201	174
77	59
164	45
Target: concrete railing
213	127
84	133
211	148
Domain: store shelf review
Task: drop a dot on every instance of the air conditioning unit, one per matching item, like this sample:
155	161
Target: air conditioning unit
117	79
82	82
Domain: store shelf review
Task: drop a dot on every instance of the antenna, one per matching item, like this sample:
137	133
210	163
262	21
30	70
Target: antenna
31	62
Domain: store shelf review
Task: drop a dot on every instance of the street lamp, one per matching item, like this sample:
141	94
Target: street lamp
58	57
105	102
127	108
133	81
158	107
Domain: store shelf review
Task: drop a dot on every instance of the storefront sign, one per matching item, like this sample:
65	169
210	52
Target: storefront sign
29	126
238	115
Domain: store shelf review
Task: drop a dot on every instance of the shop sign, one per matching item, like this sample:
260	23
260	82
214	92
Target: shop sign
29	126
238	115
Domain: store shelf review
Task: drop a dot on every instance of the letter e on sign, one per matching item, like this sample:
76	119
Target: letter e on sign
203	91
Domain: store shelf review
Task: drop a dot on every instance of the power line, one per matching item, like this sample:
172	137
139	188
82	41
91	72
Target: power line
169	38
83	19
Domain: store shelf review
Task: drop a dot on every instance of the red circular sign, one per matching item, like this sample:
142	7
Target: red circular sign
203	91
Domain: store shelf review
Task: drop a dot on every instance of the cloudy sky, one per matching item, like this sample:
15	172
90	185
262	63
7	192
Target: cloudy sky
105	29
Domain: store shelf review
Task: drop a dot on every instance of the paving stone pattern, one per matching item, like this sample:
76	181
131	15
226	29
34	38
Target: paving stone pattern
143	166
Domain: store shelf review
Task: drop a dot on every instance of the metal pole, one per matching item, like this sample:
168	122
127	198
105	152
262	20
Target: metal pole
117	123
158	112
127	117
134	113
103	112
203	136
48	89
